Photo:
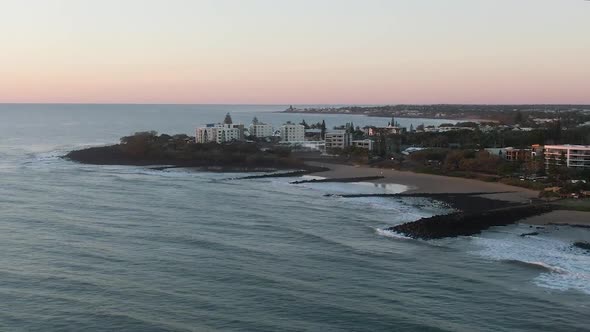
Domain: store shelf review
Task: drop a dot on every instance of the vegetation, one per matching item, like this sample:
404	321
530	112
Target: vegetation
149	148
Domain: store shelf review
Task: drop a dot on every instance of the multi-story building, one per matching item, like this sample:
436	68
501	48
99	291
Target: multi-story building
292	133
364	144
339	139
261	130
220	133
512	154
577	156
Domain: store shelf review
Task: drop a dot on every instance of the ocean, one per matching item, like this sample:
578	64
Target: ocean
120	248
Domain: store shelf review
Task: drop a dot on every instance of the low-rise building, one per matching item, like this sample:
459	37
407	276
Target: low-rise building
364	144
577	156
292	133
338	139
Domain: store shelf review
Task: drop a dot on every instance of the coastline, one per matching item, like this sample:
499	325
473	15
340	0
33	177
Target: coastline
404	116
418	183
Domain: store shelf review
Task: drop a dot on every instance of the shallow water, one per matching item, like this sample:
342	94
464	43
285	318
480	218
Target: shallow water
127	248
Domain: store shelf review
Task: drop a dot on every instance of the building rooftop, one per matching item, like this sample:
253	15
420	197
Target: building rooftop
567	146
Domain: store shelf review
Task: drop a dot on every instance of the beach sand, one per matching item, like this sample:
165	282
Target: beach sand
427	183
432	184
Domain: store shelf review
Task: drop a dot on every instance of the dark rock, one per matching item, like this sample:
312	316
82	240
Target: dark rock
529	234
464	224
582	245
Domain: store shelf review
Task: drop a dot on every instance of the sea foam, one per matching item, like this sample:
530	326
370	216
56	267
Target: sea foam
563	267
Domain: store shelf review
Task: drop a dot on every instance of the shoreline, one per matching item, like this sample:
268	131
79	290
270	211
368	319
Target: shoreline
396	116
420	183
453	187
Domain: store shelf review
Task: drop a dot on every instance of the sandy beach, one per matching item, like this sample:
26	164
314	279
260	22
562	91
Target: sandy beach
427	183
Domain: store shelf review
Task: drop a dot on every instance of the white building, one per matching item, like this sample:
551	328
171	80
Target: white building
364	144
261	130
338	139
292	133
577	156
219	133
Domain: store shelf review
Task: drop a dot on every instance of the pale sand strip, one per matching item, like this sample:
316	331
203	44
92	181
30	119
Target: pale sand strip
427	183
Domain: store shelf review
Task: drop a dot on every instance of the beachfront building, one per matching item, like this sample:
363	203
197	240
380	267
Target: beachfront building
291	132
338	139
261	130
220	133
576	156
363	144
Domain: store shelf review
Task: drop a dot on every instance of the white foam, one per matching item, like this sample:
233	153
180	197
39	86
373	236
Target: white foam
568	268
391	234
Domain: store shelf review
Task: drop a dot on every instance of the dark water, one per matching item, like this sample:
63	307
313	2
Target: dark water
103	248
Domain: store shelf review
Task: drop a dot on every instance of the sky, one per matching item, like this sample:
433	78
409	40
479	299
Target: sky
295	51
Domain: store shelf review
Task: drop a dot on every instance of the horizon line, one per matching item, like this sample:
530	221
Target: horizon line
299	104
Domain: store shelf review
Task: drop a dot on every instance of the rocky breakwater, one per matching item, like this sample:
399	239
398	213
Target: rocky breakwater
464	224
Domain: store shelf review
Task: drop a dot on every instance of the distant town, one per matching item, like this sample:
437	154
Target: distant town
542	148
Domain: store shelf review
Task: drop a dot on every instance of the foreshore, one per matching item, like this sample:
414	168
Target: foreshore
435	184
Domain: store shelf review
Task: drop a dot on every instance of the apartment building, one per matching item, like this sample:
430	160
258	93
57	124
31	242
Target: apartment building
577	156
292	133
261	130
338	139
364	144
220	133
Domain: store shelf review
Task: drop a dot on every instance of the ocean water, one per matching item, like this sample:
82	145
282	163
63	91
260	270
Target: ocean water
113	248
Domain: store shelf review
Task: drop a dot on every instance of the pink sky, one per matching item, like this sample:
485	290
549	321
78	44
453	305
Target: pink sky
281	52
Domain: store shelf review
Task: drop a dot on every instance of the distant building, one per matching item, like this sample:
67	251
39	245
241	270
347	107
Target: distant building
261	130
389	130
364	144
577	156
220	133
338	139
292	133
512	154
537	150
447	129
